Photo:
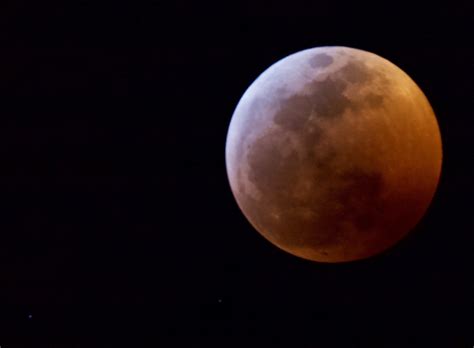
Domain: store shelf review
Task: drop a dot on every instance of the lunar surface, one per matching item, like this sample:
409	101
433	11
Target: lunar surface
333	154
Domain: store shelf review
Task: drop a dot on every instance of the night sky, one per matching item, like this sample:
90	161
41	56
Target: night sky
117	219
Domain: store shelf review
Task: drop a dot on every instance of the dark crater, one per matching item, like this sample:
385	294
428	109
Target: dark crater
356	72
361	194
374	100
325	98
362	205
321	60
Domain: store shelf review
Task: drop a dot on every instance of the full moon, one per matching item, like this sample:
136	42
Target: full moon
333	154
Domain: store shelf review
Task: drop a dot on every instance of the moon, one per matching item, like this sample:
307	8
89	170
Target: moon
333	154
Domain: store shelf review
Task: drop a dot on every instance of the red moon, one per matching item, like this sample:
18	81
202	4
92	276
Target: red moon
333	154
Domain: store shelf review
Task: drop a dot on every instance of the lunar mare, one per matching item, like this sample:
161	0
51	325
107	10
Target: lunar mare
333	154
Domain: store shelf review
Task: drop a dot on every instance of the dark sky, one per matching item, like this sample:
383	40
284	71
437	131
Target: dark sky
117	219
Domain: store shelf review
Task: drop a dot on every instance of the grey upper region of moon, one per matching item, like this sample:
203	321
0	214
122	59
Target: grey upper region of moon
333	154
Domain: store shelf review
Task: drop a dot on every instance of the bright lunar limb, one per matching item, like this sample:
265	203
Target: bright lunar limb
333	154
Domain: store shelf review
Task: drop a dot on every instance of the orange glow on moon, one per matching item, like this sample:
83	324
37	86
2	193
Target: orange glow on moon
333	154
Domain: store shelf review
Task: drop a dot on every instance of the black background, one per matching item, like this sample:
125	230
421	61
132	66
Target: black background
117	220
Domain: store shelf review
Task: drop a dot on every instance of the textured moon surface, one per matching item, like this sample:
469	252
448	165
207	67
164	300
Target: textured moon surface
333	154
